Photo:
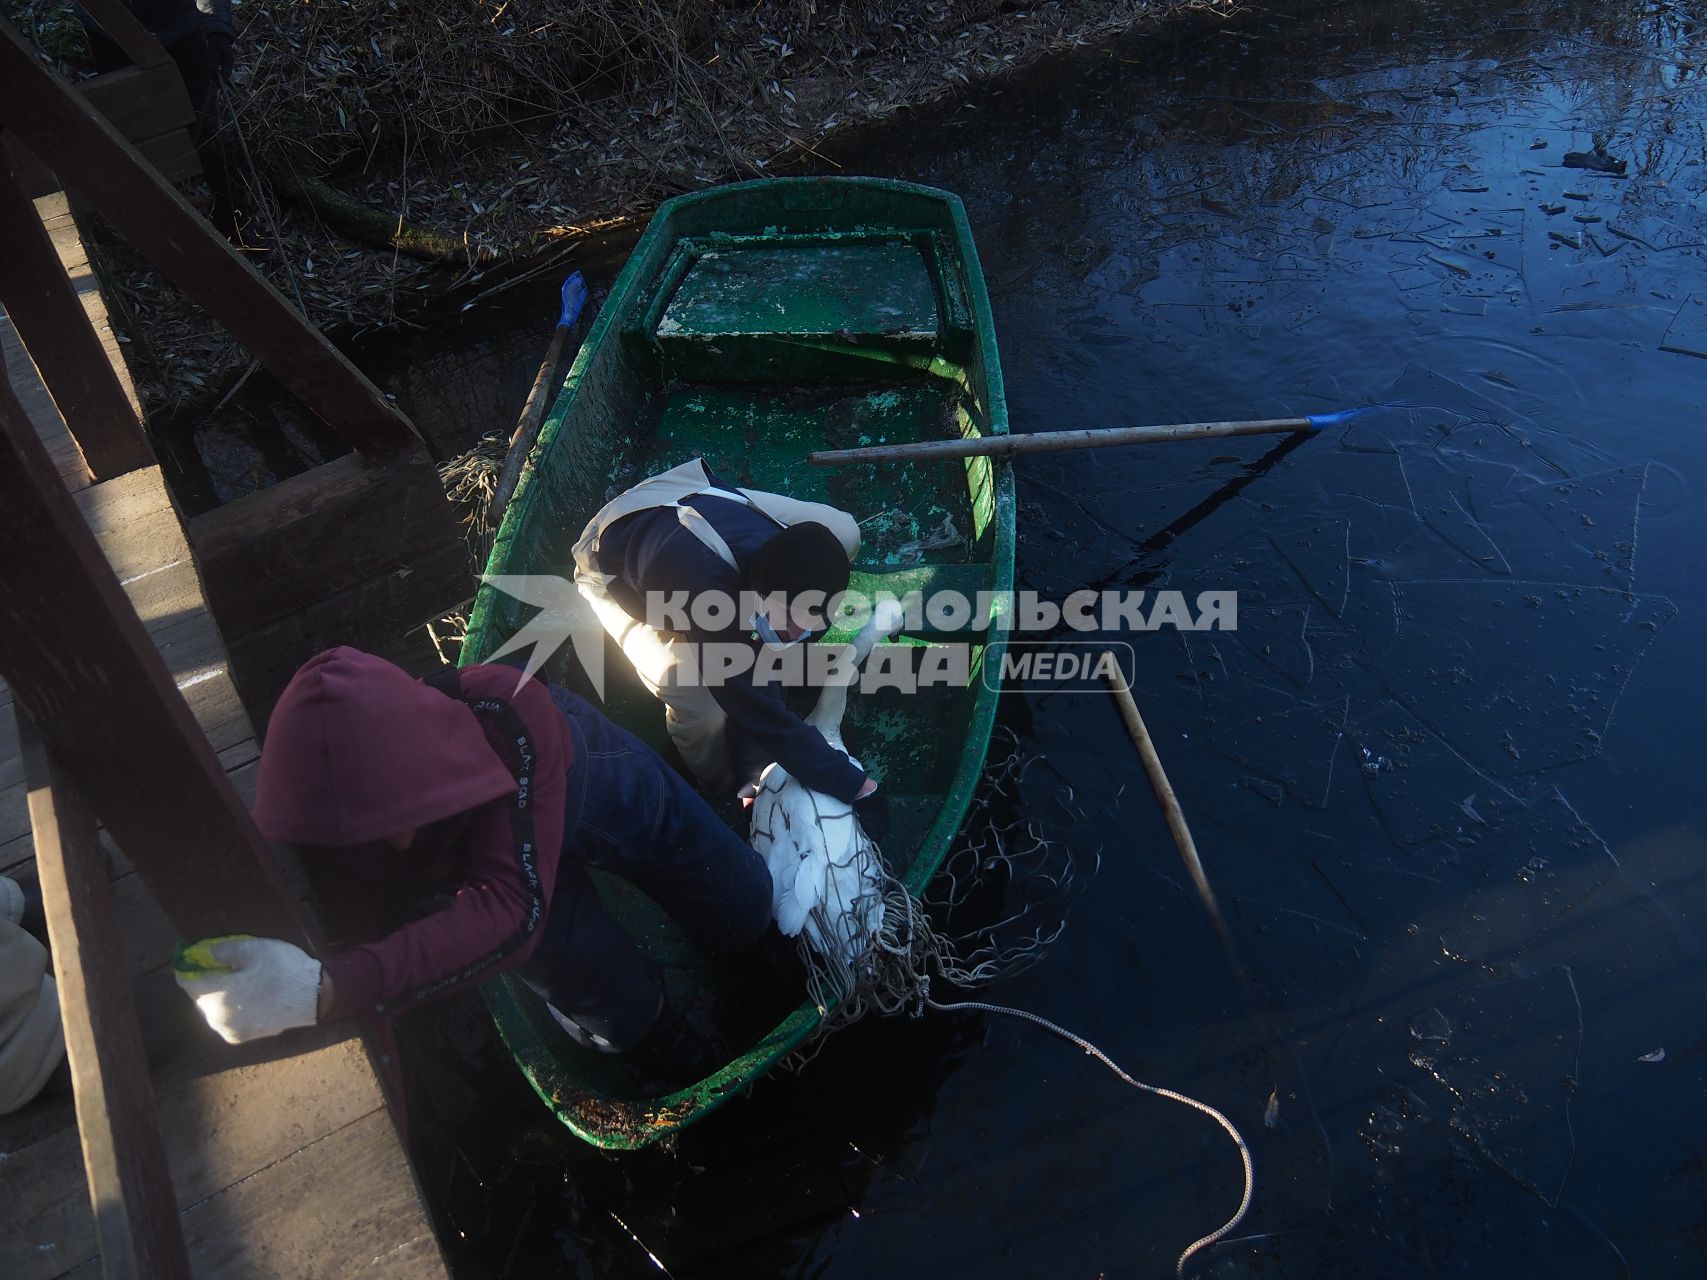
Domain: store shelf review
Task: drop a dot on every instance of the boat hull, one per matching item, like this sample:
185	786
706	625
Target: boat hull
752	325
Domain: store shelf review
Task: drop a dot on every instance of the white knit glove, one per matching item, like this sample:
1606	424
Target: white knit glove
250	987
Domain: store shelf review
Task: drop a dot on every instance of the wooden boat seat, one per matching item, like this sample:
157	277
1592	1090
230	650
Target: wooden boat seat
781	312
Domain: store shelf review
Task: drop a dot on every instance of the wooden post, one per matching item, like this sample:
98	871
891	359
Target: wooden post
81	665
100	167
130	1185
527	429
43	305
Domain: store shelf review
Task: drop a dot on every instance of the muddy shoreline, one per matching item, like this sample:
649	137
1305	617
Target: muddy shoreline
750	91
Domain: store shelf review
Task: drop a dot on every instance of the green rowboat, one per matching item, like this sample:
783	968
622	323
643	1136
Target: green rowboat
753	324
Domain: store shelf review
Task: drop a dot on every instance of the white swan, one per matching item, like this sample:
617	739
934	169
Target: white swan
827	880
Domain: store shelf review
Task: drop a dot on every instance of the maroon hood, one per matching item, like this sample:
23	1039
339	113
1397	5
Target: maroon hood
358	750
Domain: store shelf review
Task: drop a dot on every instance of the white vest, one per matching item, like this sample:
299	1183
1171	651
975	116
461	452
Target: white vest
672	488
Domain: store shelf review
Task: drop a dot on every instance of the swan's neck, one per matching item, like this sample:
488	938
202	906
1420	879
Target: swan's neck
826	717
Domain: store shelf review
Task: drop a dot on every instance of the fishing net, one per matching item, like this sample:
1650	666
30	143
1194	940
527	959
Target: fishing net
992	911
470	479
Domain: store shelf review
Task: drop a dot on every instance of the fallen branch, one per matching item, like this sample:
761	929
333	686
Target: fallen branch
363	222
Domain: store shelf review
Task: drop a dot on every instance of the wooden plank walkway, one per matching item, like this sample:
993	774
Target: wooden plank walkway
284	1158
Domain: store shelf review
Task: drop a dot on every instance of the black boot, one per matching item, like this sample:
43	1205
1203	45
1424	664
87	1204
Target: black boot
673	1053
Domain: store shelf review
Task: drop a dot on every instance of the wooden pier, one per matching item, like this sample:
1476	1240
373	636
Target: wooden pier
175	1154
284	1159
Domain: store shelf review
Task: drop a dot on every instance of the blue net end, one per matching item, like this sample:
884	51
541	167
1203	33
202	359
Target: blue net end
1319	420
574	298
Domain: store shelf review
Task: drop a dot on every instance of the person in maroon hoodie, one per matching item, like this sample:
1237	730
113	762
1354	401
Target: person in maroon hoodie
448	826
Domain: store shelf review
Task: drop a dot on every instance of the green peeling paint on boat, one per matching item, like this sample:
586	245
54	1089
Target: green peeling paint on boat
753	324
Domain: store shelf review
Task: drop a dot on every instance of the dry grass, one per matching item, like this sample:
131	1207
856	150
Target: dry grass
513	125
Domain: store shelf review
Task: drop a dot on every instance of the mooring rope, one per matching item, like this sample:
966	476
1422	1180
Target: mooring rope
902	951
1232	1132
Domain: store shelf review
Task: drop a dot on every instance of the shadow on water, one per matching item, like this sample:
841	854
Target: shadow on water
742	1194
1443	773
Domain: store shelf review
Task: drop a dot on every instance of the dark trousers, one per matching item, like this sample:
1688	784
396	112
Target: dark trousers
639	820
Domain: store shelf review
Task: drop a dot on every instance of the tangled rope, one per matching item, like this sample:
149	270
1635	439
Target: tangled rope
902	956
907	950
1203	1242
470	479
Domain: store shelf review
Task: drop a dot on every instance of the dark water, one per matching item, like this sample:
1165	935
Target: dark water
1444	776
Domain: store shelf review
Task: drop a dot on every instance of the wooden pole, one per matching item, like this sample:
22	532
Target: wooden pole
527	429
130	1185
43	305
100	167
80	663
1006	446
1171	810
574	294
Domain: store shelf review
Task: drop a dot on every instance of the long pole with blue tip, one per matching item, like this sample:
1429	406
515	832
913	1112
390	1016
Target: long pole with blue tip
533	411
1090	438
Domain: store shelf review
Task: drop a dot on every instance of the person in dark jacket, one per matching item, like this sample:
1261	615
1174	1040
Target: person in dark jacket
685	538
448	832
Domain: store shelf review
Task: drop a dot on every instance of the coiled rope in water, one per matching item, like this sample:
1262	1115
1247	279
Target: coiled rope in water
1232	1132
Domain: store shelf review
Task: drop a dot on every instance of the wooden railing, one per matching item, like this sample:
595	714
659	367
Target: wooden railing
44	308
124	1160
146	100
339	545
107	736
100	168
101	720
